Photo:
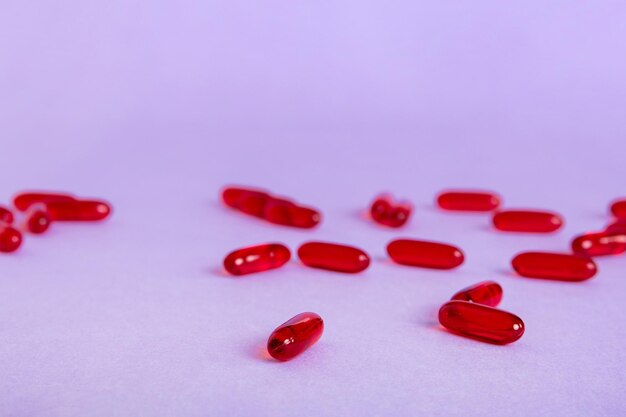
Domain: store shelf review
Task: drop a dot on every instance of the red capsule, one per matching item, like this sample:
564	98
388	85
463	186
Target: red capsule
287	213
78	210
617	227
10	239
527	221
295	336
599	244
425	254
6	216
556	266
618	208
23	201
246	200
386	211
468	201
480	322
257	258
488	293
37	218
333	257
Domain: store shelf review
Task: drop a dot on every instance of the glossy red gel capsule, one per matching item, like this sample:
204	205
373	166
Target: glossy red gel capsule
23	201
78	210
295	336
339	258
488	293
384	210
6	216
10	239
480	322
555	266
257	258
618	208
425	254
246	200
527	221
37	218
599	244
287	213
468	201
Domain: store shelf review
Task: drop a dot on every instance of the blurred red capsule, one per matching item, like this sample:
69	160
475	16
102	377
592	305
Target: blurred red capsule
618	208
257	258
78	210
527	221
555	266
10	239
384	210
6	216
24	200
37	219
425	254
599	244
246	200
460	200
333	257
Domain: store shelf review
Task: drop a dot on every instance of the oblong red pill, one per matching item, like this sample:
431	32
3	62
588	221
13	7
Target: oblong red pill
468	200
295	336
488	293
618	208
10	239
246	200
527	221
425	254
333	257
24	200
599	244
287	213
386	211
257	258
555	266
37	218
78	210
6	216
480	322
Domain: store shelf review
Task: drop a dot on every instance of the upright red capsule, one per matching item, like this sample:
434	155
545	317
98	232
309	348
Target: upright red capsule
37	218
617	227
6	216
468	201
78	210
599	244
618	208
386	211
257	258
480	322
555	266
10	239
246	200
287	213
295	336
339	258
23	201
488	293
527	221
425	254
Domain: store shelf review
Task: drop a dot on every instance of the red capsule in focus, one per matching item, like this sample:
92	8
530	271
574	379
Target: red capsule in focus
488	293
527	221
37	218
425	254
246	200
257	258
10	239
386	211
23	201
295	336
468	201
287	213
618	208
480	322
333	257
6	216
599	244
555	266
78	210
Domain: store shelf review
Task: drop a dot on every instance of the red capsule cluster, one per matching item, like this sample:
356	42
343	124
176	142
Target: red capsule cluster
275	210
40	209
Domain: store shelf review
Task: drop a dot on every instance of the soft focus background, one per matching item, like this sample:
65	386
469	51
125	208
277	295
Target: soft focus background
155	105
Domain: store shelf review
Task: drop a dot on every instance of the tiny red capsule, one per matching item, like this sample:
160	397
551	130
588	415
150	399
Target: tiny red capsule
6	216
257	258
37	218
10	239
556	266
425	254
295	336
287	213
23	201
488	293
78	210
527	221
468	201
339	258
618	208
599	244
480	322
386	211
246	200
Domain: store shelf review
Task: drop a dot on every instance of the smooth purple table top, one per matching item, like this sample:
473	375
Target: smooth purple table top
155	105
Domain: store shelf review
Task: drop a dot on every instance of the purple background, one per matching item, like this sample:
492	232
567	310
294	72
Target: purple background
157	104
